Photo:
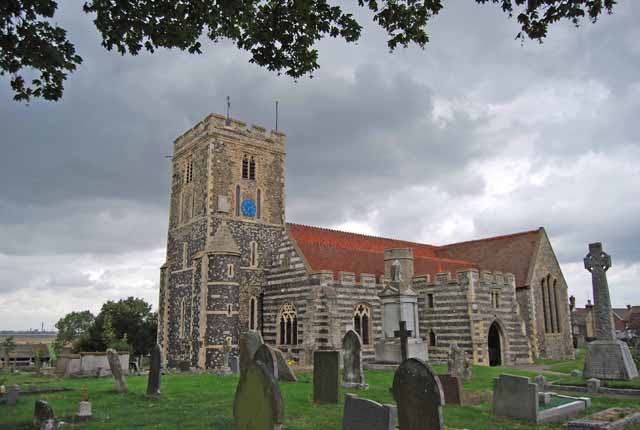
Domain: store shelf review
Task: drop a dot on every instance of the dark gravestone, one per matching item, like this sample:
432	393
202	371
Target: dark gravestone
234	363
418	394
12	395
153	382
249	343
43	415
365	414
285	373
258	403
326	374
515	397
353	374
451	388
266	356
116	371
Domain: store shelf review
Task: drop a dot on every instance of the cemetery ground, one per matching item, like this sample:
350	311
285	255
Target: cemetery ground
205	401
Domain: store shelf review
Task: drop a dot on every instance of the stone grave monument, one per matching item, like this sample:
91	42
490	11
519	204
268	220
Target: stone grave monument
266	356
43	416
116	371
84	407
249	344
607	357
399	303
258	403
458	362
12	395
352	371
155	363
285	373
365	414
451	389
515	397
418	394
326	374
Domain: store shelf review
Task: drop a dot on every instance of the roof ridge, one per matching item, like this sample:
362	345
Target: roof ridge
504	236
359	234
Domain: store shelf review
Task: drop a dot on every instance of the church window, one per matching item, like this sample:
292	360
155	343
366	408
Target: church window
252	169
183	317
229	309
495	299
286	261
362	322
230	270
245	167
288	325
185	254
556	300
430	300
253	254
258	203
550	305
253	313
545	303
433	340
237	200
188	171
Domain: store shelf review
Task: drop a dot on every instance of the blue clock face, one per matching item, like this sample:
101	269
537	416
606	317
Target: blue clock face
249	208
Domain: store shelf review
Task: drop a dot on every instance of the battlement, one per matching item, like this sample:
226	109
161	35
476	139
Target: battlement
218	123
464	277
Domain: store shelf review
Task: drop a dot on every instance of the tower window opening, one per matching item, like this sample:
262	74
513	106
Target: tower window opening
245	167
252	169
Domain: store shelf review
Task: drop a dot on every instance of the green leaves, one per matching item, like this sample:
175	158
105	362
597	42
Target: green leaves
280	35
30	43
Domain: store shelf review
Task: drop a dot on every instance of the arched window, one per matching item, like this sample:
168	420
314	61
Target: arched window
188	171
557	307
183	317
258	202
252	169
288	325
245	167
253	254
237	200
253	313
433	340
362	322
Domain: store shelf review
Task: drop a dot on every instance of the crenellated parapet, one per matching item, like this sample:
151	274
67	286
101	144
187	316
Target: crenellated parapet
215	123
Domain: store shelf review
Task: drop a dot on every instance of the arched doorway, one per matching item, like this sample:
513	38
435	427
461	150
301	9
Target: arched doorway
495	346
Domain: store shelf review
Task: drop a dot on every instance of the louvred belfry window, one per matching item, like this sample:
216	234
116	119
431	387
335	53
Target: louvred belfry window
245	167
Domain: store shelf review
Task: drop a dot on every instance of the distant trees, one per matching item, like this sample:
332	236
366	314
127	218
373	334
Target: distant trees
8	345
127	324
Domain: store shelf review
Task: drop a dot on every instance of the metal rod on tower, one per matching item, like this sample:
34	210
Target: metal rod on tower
228	110
276	115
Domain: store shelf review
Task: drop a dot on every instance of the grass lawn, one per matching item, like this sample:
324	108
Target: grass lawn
191	401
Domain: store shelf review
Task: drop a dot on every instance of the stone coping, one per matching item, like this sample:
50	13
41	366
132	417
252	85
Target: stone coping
562	412
601	390
592	424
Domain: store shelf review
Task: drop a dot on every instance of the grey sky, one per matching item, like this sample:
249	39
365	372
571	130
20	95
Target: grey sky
476	135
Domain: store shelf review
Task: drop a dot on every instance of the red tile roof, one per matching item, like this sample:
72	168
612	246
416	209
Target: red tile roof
326	249
510	253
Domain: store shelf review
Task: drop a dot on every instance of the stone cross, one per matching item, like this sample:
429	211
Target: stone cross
598	262
404	335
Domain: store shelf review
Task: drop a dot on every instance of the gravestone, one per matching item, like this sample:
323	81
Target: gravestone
285	373
84	411
155	364
353	373
458	362
607	357
593	385
234	363
576	373
326	373
541	382
418	394
43	416
12	395
116	371
452	389
266	356
258	403
515	397
365	414
249	343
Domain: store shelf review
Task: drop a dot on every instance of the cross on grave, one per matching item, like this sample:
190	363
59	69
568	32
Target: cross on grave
597	262
404	335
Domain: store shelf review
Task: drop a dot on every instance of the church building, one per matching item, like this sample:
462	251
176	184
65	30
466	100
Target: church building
234	264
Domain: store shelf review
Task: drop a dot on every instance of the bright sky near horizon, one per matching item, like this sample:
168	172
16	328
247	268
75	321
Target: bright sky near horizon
475	136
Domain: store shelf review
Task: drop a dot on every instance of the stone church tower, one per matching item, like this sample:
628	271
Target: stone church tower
226	218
